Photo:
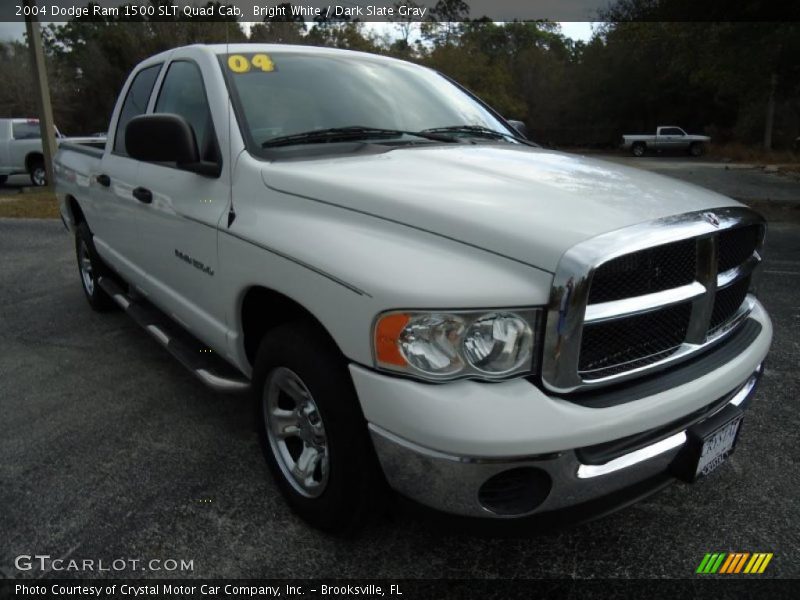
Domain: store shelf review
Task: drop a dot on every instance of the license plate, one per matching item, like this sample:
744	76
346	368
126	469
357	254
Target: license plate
717	447
708	444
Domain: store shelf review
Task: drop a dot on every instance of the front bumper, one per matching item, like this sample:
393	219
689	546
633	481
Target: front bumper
444	445
458	484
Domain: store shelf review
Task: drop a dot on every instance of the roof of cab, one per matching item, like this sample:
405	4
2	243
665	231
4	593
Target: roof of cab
272	48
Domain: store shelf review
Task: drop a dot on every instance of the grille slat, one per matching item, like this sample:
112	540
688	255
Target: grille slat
727	303
736	246
621	345
645	272
625	343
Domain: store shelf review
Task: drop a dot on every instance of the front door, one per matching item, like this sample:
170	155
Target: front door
179	231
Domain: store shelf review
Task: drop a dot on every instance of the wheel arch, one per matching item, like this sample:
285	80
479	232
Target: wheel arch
262	309
697	147
75	212
32	157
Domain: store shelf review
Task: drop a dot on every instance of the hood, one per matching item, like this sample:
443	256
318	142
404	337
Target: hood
527	204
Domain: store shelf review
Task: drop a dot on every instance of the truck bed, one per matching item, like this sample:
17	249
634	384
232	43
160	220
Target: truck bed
91	148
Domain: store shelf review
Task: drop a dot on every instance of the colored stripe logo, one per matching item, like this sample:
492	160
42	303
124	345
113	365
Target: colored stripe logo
724	563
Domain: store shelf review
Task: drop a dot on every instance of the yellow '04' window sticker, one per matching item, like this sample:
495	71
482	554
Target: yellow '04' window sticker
244	63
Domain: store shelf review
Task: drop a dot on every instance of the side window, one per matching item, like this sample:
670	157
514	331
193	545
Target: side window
26	130
182	93
135	103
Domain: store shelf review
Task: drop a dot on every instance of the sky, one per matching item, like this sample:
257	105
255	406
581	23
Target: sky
578	31
575	30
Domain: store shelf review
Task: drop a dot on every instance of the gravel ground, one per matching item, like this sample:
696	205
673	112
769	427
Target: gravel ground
111	449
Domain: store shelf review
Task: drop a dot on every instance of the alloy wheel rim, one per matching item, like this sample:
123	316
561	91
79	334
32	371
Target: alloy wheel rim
85	265
296	432
39	176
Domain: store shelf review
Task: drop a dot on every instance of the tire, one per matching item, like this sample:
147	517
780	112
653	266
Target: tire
696	149
37	173
301	378
90	267
638	149
3	179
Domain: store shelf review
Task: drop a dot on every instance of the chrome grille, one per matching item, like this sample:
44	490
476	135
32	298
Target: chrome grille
641	298
726	302
736	246
615	346
644	272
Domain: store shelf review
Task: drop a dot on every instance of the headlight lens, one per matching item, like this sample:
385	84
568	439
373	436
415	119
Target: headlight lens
499	343
430	343
448	345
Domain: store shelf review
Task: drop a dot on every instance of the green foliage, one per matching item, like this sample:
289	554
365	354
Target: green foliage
16	92
634	74
90	61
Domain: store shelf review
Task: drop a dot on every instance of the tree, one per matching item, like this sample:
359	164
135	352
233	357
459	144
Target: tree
16	93
92	59
734	69
405	25
445	22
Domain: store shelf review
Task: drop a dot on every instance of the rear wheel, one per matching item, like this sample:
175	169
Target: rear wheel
90	268
37	173
638	149
696	149
3	179
312	432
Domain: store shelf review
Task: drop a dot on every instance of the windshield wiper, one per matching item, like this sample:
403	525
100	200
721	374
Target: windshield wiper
339	134
479	131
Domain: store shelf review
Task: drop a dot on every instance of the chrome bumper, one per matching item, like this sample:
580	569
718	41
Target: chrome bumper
457	484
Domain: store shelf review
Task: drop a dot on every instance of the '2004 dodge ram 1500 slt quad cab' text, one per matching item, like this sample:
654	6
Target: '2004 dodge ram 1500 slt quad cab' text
413	292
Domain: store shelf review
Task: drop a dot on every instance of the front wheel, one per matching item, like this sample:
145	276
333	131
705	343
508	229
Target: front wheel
696	149
3	179
312	432
38	173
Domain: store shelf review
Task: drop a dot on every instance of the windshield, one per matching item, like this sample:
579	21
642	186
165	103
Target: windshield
285	93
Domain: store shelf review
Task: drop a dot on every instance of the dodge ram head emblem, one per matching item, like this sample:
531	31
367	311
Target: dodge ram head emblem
711	218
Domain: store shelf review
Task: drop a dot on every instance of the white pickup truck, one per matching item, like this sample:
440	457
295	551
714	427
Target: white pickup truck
21	149
667	137
414	294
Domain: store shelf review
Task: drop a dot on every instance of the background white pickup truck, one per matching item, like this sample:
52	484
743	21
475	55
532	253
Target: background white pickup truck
21	149
667	137
414	294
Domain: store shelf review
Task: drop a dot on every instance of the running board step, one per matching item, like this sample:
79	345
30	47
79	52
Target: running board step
207	366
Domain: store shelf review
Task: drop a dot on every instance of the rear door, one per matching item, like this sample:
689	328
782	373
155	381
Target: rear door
116	218
179	231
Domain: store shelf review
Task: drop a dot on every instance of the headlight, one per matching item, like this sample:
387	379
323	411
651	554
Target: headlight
449	345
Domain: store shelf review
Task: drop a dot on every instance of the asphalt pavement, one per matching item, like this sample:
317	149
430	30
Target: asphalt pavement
744	182
110	449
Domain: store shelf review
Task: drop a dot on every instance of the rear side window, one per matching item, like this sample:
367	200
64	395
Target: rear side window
26	130
183	93
135	103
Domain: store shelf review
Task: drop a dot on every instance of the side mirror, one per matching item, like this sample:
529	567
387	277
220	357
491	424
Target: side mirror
522	130
166	138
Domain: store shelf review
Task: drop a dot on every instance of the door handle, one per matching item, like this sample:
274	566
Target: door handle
143	195
103	180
